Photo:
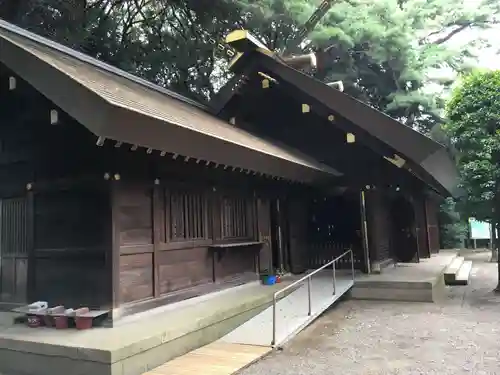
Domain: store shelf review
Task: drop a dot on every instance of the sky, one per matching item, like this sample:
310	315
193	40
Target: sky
489	58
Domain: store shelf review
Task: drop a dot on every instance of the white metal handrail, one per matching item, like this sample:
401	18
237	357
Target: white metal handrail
308	277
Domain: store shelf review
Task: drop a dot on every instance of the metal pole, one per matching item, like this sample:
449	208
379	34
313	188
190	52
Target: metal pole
352	264
309	294
274	320
334	280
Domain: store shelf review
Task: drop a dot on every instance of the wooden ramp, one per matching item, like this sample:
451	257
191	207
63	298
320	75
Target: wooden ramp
217	358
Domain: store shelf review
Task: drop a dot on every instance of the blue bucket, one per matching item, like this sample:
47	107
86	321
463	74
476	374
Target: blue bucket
269	280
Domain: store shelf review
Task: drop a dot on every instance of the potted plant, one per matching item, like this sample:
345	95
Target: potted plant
280	272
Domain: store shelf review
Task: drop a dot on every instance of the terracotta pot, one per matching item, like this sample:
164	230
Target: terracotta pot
83	322
61	322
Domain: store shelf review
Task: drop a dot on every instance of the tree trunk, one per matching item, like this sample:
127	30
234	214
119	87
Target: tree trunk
496	220
496	248
494	240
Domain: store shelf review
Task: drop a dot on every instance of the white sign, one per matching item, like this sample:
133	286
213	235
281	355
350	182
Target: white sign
479	230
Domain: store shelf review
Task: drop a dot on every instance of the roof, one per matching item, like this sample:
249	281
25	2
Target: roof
116	105
426	158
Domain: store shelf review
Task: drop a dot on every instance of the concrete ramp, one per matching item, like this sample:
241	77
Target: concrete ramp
291	312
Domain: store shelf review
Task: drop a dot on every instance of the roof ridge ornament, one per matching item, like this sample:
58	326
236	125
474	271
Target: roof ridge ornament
339	85
245	42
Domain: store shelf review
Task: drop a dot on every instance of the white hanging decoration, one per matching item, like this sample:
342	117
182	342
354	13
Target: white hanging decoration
54	117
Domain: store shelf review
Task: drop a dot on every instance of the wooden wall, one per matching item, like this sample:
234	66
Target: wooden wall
70	240
91	227
166	233
54	209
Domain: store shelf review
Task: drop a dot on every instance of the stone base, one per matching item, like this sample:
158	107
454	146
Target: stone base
135	347
409	292
411	282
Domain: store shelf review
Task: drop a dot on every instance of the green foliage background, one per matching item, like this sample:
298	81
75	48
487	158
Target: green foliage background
383	50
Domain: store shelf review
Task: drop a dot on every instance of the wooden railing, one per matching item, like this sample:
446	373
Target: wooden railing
319	254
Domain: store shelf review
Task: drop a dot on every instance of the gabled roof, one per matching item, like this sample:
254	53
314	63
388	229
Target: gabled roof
116	105
423	157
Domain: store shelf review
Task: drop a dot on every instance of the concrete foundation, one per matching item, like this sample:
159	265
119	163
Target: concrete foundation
136	346
413	282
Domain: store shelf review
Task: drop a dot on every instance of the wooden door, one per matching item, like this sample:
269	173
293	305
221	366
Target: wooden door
14	244
264	229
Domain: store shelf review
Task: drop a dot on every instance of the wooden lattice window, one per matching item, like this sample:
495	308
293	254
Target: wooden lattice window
13	226
235	218
188	216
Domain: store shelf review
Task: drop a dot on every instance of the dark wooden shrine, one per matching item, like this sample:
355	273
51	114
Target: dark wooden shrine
385	203
118	194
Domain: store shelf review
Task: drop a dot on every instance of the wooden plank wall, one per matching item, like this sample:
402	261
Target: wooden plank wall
70	246
54	209
165	235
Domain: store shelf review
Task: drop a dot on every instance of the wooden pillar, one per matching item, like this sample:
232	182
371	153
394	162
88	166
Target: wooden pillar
432	225
157	236
378	230
264	234
421	226
113	253
298	235
364	233
30	234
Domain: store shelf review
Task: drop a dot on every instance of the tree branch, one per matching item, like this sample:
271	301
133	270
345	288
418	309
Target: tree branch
452	33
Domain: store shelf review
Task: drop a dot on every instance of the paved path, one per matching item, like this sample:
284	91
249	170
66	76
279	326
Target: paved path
459	335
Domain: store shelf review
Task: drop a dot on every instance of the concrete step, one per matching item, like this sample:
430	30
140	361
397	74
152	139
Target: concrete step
450	273
463	274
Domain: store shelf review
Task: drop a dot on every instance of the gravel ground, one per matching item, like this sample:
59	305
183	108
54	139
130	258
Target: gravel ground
459	335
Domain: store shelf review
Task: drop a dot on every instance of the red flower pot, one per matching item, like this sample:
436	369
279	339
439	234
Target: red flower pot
83	322
61	322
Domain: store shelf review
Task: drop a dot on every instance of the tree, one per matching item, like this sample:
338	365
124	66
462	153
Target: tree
452	226
474	126
382	50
